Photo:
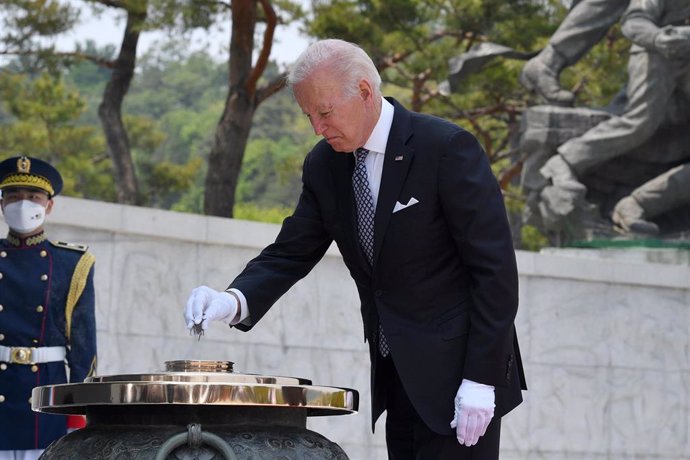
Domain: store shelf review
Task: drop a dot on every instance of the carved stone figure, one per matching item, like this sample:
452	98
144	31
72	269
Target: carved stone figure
586	209
588	172
654	116
584	26
666	192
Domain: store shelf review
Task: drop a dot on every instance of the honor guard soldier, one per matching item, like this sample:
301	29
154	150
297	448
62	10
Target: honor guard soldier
47	318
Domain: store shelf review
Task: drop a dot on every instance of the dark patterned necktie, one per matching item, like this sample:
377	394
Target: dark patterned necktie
365	205
365	221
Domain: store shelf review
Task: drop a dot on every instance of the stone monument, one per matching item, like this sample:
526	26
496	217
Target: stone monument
619	170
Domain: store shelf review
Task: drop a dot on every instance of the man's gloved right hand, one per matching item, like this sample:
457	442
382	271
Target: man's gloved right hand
206	304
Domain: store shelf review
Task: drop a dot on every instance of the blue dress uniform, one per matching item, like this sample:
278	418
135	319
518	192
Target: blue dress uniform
47	330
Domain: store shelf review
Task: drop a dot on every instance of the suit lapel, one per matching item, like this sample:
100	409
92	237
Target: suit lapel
396	164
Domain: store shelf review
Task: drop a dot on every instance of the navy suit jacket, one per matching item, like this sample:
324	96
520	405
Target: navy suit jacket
444	281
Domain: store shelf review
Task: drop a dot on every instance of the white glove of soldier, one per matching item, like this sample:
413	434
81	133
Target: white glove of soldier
474	409
206	304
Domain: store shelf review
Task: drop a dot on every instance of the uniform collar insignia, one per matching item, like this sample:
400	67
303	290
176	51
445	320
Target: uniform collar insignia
32	240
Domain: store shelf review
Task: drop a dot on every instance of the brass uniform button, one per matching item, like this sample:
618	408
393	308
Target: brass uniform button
44	277
34	368
0	275
2	337
34	340
2	398
44	253
3	367
3	254
1	307
39	308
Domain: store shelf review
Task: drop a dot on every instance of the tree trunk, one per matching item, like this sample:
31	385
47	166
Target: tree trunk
232	131
110	109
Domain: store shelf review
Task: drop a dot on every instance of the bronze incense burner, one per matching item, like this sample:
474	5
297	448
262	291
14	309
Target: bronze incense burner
194	410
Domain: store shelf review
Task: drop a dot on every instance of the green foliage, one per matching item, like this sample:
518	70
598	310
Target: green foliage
170	112
28	28
270	173
44	99
183	14
166	181
41	120
251	211
25	22
280	117
531	239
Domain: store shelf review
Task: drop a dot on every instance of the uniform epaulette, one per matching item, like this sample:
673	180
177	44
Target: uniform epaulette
72	246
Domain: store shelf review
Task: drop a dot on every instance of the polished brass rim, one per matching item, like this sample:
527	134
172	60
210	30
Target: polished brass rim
75	398
210	383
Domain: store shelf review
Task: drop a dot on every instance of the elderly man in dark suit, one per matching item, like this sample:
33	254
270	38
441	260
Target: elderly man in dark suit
419	219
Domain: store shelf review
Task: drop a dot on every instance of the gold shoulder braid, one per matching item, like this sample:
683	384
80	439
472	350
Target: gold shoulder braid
76	287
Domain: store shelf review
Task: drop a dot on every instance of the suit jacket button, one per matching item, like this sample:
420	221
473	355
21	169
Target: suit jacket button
378	293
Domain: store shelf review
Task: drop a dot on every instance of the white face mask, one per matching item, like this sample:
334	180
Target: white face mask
24	216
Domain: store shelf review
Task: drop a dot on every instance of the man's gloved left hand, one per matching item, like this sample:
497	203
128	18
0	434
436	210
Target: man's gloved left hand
474	409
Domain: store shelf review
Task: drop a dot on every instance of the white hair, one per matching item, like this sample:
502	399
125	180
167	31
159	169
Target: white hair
347	60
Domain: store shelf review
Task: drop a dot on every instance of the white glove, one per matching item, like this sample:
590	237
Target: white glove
474	409
206	304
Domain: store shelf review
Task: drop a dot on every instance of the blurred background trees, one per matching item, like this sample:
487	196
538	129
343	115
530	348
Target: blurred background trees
185	129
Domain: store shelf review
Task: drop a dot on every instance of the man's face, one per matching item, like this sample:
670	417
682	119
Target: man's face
346	122
14	194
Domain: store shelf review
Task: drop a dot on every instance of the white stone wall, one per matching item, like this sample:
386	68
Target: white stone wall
605	335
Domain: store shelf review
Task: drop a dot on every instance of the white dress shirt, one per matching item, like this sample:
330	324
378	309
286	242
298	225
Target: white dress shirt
376	144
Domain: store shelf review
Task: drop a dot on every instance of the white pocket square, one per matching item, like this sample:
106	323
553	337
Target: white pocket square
399	206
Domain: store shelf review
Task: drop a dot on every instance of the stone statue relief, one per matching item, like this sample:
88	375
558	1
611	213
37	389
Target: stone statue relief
622	169
632	165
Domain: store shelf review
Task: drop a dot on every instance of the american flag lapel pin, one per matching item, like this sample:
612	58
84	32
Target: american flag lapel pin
398	158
